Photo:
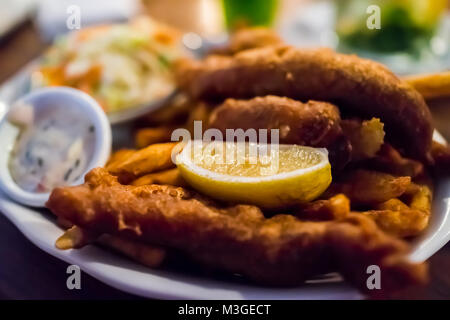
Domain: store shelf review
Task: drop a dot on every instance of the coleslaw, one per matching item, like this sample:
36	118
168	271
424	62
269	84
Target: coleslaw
120	65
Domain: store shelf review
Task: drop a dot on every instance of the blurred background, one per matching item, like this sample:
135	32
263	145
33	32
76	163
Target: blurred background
414	37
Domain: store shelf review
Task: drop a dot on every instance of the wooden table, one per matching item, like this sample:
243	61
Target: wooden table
26	272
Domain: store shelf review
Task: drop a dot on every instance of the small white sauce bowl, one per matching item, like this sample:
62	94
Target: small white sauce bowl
62	97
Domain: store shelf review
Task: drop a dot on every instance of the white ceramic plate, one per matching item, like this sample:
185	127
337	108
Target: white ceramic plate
40	228
121	273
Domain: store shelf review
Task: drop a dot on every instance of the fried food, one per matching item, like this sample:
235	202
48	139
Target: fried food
150	256
389	160
118	157
281	250
401	220
153	158
249	38
75	237
337	207
440	154
365	187
64	223
170	177
421	198
366	137
360	86
431	86
200	112
315	124
147	136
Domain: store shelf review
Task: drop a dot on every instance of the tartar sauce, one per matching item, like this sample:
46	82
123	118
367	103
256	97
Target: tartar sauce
53	148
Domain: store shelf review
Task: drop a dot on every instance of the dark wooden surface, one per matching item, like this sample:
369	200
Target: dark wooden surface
26	272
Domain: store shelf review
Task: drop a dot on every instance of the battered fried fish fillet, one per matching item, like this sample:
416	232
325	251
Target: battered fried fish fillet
281	250
361	86
315	124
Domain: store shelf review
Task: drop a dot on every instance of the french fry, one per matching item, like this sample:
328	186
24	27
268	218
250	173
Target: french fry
150	256
401	223
147	136
118	157
201	113
337	207
397	218
171	177
441	158
392	204
369	187
75	237
391	161
421	200
366	137
431	86
153	158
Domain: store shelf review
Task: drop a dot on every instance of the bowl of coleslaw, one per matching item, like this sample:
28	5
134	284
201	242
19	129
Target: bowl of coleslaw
122	66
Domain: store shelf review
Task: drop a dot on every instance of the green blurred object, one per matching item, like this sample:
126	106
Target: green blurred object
245	13
406	25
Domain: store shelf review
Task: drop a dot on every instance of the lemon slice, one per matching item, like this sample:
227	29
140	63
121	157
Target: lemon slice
270	176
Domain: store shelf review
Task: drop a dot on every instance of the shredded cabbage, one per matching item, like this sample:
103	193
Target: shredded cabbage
120	65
